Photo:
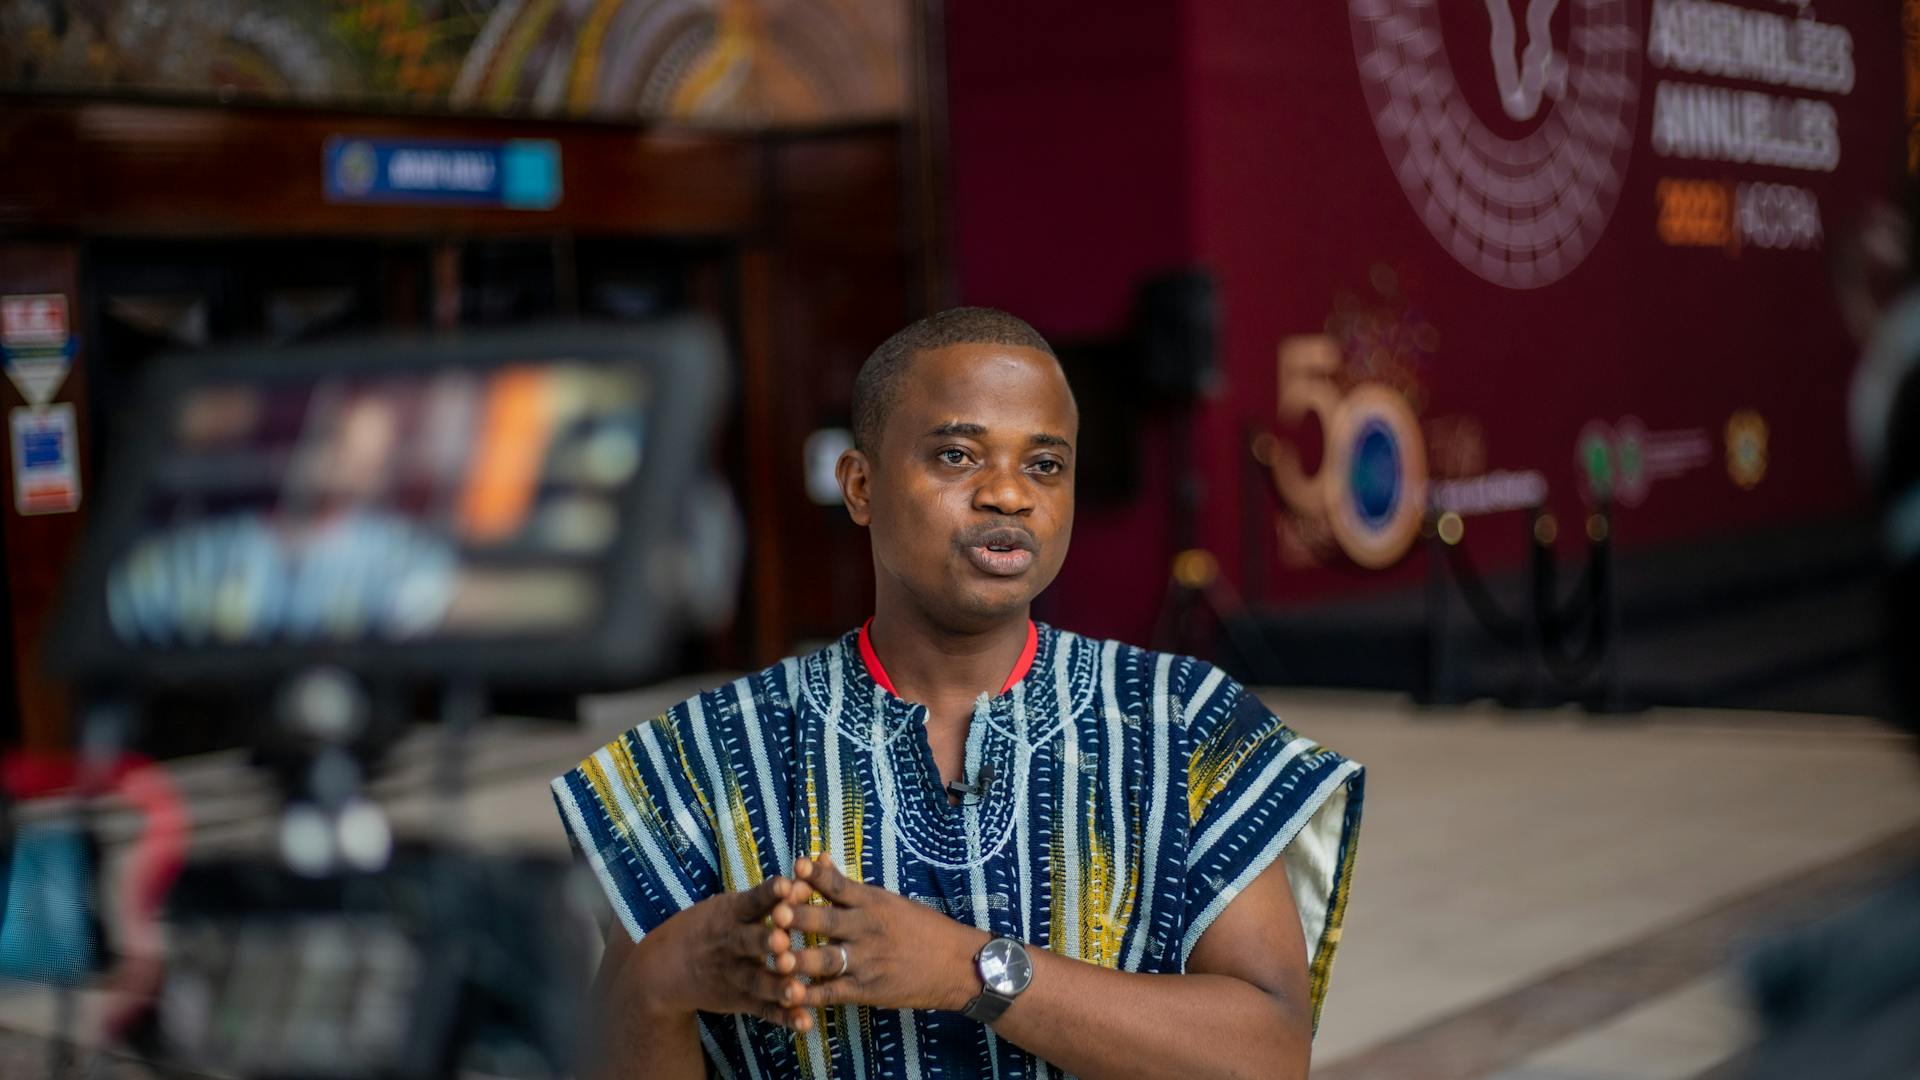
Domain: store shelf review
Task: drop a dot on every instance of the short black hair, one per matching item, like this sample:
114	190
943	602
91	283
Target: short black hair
877	387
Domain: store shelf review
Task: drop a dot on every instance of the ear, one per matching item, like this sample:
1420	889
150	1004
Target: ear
855	474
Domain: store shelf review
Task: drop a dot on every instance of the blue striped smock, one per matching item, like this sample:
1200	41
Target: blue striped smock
1134	795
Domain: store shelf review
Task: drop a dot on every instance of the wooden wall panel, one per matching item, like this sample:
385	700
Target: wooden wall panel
39	548
139	169
845	280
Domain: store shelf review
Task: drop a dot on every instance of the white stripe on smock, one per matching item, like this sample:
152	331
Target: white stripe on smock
1159	743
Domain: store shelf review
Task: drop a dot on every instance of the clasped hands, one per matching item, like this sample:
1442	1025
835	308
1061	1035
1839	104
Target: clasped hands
874	947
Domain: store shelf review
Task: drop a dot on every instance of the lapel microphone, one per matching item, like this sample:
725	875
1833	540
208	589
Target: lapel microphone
960	789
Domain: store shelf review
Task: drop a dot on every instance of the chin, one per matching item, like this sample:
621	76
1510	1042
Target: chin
991	605
968	609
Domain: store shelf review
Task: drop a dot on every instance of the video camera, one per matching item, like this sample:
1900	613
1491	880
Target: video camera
520	510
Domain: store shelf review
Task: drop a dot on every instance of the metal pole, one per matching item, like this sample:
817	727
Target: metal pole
1610	692
1443	674
1532	688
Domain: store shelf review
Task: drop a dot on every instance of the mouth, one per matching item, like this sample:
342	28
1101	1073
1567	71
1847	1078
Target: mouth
1001	552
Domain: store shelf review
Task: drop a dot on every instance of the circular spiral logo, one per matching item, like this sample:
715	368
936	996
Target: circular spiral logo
1519	211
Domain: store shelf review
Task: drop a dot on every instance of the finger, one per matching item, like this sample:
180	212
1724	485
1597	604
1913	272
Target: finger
753	985
826	879
782	962
821	963
754	941
831	922
830	992
774	1014
756	902
782	915
774	961
781	990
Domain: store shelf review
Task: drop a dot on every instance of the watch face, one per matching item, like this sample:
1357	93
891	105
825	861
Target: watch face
1004	966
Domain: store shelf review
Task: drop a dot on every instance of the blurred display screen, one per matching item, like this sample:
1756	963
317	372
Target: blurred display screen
453	504
441	965
291	996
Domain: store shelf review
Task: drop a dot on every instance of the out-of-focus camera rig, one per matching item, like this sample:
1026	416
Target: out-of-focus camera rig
525	510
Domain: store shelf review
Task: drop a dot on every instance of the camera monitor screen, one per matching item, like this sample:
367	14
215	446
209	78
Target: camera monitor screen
485	505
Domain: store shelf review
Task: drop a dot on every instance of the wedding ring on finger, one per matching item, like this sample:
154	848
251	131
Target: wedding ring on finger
843	961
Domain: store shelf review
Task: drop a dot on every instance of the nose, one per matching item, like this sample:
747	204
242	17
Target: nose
1004	489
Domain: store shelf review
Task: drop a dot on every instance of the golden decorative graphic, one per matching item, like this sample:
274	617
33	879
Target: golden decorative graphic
1746	449
765	63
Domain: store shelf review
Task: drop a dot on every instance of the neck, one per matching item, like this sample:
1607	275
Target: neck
941	666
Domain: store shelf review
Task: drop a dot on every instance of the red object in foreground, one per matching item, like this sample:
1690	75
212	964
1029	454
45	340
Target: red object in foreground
153	865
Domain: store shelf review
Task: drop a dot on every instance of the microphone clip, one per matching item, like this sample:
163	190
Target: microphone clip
962	790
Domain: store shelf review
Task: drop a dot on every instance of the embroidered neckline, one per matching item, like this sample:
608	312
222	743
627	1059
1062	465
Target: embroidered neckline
839	688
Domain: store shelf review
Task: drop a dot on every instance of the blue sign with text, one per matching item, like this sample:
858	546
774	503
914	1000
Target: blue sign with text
519	174
43	449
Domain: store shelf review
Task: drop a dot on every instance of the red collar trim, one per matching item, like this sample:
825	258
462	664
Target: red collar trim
879	672
872	660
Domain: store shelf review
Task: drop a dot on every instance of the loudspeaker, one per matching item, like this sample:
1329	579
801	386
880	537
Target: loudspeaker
1177	327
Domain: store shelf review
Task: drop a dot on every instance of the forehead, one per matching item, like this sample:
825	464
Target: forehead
1004	388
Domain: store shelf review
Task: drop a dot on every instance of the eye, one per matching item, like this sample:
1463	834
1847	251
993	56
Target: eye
953	455
1047	467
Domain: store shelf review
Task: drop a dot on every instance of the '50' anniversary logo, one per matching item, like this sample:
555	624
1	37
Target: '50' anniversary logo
1370	493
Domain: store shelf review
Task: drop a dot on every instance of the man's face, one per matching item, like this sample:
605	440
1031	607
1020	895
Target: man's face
969	494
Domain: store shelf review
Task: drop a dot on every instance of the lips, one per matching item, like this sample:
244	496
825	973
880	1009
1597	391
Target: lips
999	552
1010	563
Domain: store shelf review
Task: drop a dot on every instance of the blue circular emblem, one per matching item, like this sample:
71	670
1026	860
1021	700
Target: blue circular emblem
1375	481
1375	475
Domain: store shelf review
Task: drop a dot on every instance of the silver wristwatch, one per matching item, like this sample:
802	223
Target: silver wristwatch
1005	972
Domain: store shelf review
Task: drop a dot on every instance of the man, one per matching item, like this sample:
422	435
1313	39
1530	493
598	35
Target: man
956	843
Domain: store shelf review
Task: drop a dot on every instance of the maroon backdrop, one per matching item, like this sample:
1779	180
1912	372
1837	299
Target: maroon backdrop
1240	136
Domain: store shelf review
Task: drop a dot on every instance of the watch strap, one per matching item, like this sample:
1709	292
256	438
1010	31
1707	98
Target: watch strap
987	1006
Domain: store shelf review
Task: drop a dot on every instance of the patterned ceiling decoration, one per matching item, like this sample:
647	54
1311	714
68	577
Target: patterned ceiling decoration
716	62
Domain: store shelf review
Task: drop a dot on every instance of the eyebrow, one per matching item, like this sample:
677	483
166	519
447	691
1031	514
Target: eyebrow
957	429
961	429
